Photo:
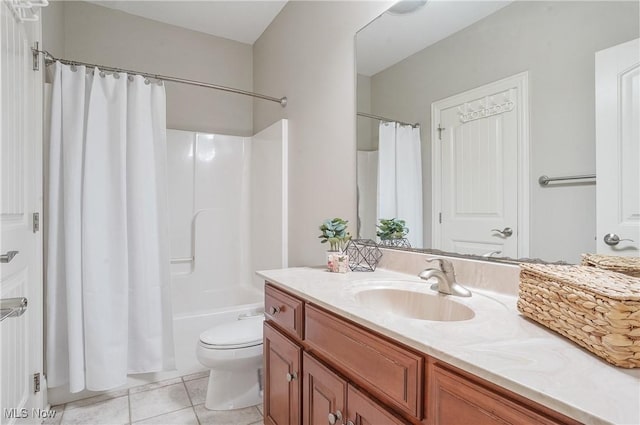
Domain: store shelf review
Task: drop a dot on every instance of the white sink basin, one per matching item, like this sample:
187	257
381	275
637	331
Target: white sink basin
413	305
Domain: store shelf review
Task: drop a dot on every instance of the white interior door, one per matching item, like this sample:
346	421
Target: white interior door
21	196
618	149
480	147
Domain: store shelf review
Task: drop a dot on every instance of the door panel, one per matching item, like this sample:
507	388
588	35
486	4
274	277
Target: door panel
618	148
480	152
21	337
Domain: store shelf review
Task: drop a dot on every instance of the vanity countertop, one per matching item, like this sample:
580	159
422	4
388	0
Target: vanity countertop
498	344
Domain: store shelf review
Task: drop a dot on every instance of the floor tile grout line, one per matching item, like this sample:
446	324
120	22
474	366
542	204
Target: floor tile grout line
184	384
155	388
105	395
61	416
204	375
165	413
129	403
193	408
196	413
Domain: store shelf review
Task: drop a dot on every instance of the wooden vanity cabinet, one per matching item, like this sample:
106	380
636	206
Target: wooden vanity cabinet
318	364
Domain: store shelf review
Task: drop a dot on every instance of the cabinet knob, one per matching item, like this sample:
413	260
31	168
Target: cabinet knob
275	310
350	423
292	376
334	417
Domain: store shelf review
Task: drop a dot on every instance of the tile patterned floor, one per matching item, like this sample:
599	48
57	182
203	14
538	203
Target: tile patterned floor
178	401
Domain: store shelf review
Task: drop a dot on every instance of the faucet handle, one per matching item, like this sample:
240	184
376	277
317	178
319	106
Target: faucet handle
446	266
431	260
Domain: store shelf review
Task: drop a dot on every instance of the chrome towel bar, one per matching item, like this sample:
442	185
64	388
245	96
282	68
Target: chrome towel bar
544	180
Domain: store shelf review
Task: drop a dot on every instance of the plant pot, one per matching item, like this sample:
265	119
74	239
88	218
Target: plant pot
395	242
337	262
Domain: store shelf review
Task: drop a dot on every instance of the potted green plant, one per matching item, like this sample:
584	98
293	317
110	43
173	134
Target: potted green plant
334	231
392	232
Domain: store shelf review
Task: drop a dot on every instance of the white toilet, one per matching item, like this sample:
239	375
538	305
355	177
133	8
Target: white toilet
233	352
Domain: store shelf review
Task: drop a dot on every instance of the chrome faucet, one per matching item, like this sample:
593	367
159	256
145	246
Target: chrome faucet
446	279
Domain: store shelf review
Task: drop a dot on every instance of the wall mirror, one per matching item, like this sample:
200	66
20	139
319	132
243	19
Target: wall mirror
464	106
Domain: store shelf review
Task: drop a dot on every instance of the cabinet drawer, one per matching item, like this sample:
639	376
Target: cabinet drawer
391	373
284	309
455	399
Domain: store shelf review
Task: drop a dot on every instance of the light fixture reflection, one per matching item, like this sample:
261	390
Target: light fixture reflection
404	7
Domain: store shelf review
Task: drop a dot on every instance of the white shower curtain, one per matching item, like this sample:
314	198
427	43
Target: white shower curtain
108	277
400	177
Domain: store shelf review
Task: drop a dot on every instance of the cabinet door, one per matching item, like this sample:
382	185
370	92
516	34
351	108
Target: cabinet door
282	384
324	394
361	410
457	400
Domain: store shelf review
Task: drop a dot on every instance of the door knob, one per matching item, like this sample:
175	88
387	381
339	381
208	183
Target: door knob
612	239
6	258
12	307
334	417
506	232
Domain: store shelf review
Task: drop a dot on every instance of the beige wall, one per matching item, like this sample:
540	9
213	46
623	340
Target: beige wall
365	126
307	54
555	42
91	33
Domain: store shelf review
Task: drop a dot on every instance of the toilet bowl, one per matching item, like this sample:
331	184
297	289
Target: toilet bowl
233	352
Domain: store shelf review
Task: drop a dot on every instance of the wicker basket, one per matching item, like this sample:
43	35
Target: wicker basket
598	309
627	265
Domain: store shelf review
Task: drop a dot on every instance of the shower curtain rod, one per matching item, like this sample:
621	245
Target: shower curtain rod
50	59
377	117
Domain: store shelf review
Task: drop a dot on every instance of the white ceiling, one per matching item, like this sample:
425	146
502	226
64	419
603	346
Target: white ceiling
238	20
391	38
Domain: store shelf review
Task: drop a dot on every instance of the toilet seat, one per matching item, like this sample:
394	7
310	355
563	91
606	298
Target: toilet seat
239	334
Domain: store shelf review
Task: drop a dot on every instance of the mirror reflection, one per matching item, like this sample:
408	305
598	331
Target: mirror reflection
464	105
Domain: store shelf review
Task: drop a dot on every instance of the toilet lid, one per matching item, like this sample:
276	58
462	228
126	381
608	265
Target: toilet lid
237	334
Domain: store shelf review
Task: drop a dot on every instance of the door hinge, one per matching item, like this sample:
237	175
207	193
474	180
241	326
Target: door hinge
36	382
35	52
440	130
36	222
440	218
